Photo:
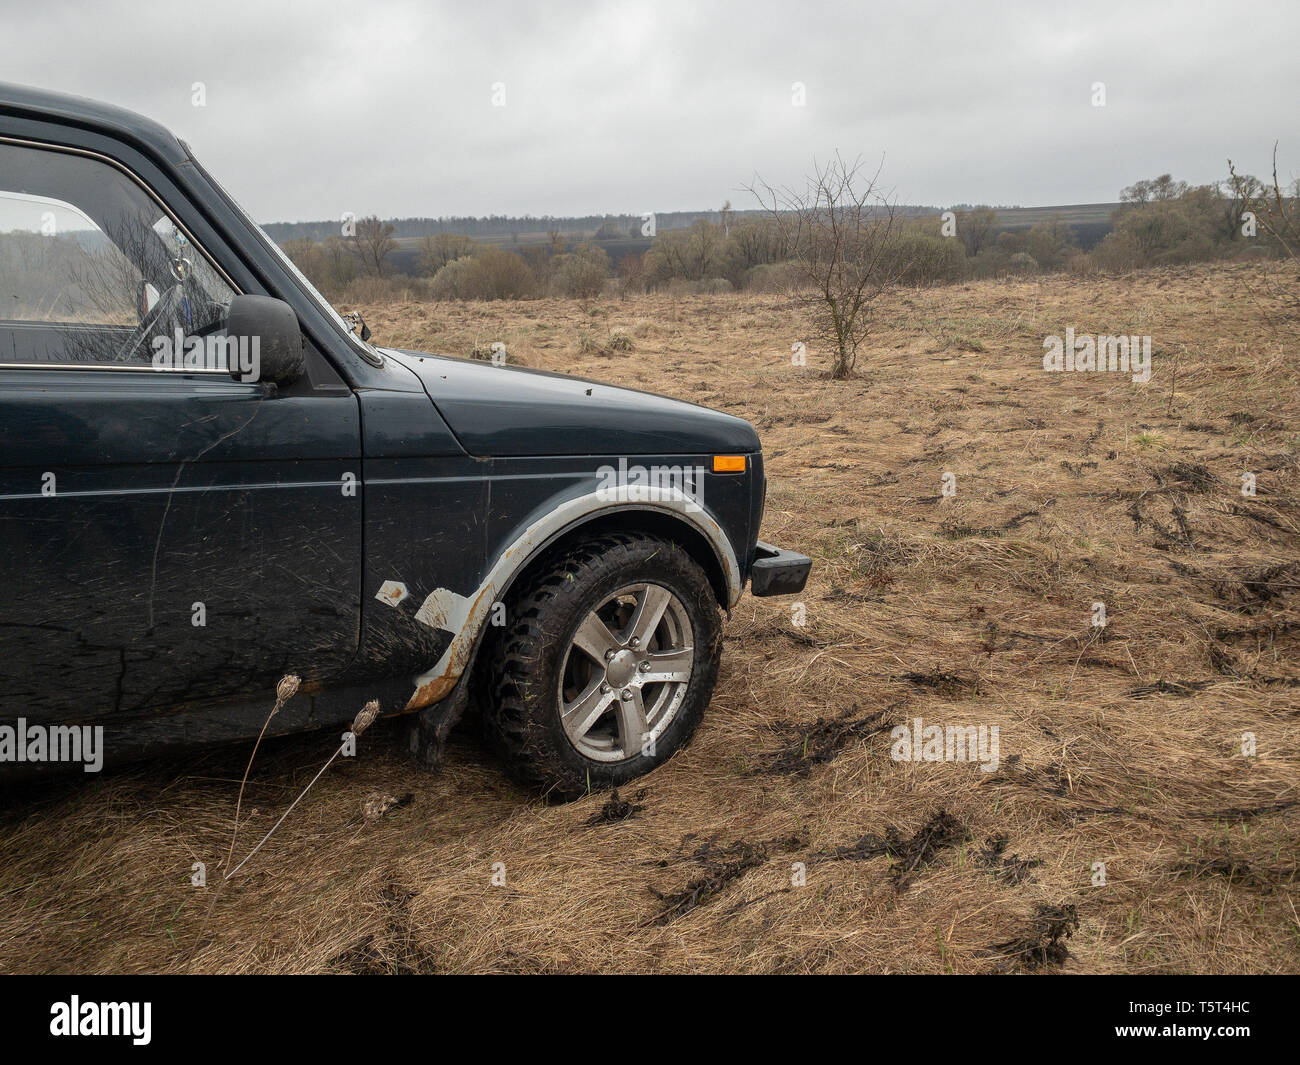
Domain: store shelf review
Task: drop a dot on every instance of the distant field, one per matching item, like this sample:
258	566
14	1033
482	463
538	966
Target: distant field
1119	745
1090	221
406	259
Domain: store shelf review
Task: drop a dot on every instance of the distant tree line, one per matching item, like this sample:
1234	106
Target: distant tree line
451	265
1160	221
605	227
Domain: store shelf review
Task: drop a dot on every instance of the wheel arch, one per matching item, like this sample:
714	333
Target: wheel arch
585	516
630	520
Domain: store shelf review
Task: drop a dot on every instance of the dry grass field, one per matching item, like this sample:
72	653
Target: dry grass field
1119	745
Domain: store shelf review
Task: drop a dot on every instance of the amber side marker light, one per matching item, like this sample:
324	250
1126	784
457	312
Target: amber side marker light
728	463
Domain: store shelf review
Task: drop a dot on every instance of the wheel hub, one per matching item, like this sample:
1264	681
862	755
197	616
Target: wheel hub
621	668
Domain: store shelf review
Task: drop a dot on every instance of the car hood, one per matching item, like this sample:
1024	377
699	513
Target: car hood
510	410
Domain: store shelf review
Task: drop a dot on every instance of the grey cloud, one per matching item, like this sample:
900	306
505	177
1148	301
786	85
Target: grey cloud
385	107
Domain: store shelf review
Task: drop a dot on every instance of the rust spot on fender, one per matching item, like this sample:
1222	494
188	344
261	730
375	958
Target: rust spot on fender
430	692
439	687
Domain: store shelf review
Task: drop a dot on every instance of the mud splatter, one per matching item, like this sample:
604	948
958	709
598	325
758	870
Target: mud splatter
810	745
393	951
723	866
1245	813
940	832
1236	871
954	685
616	809
1010	870
1041	945
1181	689
1191	476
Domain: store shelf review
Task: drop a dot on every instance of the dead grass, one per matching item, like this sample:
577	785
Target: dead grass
1119	746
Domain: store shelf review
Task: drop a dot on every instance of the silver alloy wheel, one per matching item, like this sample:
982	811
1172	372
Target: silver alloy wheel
626	672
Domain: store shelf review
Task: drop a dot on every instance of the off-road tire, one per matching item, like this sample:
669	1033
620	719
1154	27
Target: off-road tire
522	708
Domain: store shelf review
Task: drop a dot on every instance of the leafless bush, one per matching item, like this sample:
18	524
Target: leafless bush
1276	213
372	243
843	232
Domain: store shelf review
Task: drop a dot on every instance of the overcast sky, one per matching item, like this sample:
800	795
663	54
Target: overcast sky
387	107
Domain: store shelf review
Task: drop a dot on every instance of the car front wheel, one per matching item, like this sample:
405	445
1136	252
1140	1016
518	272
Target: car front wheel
606	665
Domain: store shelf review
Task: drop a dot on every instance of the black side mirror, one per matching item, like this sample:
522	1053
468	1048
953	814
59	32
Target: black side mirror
264	340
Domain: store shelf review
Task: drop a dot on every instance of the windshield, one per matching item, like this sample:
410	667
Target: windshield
368	350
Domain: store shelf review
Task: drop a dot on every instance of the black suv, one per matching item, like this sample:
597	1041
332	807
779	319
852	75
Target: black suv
210	480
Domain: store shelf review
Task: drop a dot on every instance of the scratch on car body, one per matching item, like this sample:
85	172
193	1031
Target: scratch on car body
444	609
392	592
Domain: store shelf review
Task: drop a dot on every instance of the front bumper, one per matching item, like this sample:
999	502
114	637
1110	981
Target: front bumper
777	572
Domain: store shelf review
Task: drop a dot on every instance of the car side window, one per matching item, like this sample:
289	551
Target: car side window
92	269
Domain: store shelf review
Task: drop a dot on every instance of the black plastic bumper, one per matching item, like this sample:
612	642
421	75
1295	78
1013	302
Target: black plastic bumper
777	572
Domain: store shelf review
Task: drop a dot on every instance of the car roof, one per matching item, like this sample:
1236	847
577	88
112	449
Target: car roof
24	102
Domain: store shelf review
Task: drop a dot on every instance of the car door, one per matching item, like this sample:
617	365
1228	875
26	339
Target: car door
170	534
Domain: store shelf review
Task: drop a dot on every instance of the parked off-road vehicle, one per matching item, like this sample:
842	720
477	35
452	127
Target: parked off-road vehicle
210	479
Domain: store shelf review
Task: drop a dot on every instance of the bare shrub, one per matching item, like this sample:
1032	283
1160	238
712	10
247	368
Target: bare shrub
372	243
780	278
439	249
843	232
1022	263
492	274
580	274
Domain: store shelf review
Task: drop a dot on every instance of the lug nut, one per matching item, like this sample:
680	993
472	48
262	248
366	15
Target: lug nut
634	642
609	655
627	694
605	689
644	667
